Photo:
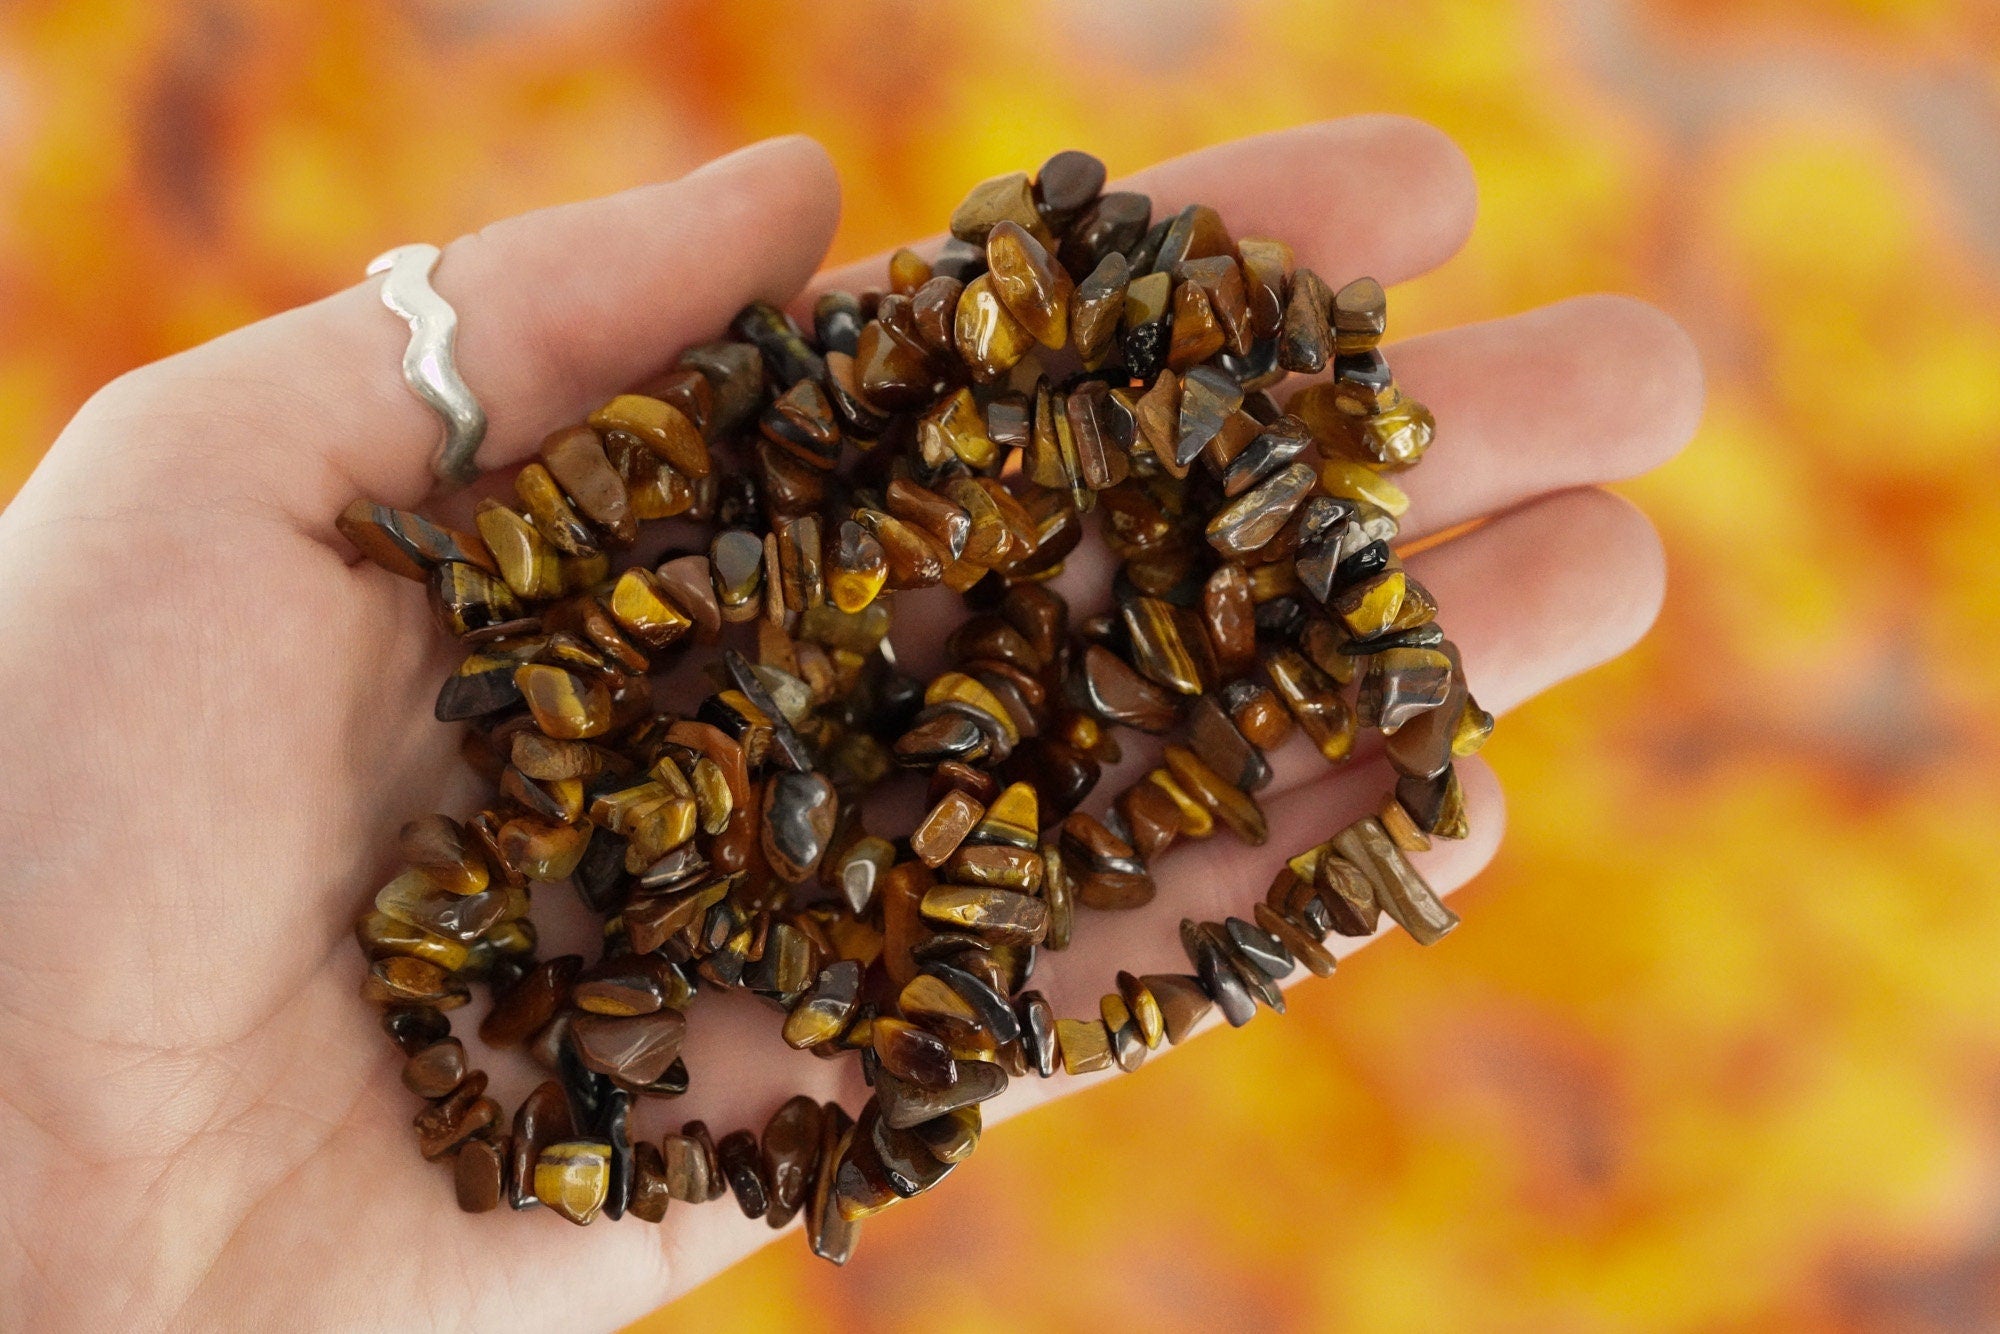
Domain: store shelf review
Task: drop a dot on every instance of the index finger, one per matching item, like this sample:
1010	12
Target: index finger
1383	196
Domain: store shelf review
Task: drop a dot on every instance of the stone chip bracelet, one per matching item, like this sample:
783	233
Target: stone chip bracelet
1065	359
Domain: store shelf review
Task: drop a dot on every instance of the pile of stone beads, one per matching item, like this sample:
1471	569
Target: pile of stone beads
1065	360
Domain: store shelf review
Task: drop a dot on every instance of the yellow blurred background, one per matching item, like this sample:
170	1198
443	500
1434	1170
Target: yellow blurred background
1720	1047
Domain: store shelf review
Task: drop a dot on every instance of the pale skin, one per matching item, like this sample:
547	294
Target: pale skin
217	718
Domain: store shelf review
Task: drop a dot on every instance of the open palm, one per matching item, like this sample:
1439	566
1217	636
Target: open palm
216	721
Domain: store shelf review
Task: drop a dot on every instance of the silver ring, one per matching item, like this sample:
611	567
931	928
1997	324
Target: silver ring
428	365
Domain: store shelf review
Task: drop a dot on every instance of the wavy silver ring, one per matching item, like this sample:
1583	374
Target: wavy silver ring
428	365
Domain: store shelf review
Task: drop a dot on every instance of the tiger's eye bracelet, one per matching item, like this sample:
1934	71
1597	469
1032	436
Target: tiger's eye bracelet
1064	355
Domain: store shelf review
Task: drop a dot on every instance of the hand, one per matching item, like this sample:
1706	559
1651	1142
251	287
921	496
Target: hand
218	719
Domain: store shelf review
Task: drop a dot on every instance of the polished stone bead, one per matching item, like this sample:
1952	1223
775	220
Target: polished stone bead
786	354
987	1006
1348	895
1169	646
857	567
743	1168
1196	232
912	1053
650	1195
466	600
478	1175
1008	199
789	1154
1065	186
837	320
999	915
1182	1002
1208	399
438	845
823	1013
1321	710
860	420
1113	222
1143	1009
1027	279
1228	804
945	826
1085	1045
1282	442
528	562
1214	737
566	706
1221	282
914	560
1049	459
633	1049
573	1177
1038	1032
802	421
1296	940
933	310
830	1236
1247	524
1102	432
906	1104
1117	694
1097	307
1260	947
436	1070
1399	890
1305	340
1347	480
1197	330
955	429
895	371
1360	316
1373	606
1435	805
1401	684
525	1007
448	1122
414	897
643	609
623	985
661	427
1104	868
396	945
689	1171
408	544
936	515
1219	978
1145	329
797	823
1151	818
737	558
1267	273
575	457
907	271
989	339
415	1027
735	373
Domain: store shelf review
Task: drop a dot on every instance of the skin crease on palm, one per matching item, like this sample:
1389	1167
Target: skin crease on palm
219	717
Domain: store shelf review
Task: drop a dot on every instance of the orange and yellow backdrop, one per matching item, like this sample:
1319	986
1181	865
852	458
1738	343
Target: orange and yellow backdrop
1720	1049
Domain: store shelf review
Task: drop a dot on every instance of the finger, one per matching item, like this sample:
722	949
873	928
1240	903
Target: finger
1584	391
1539	595
1381	195
557	309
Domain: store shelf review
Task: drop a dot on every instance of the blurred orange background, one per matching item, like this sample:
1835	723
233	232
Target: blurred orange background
1720	1047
